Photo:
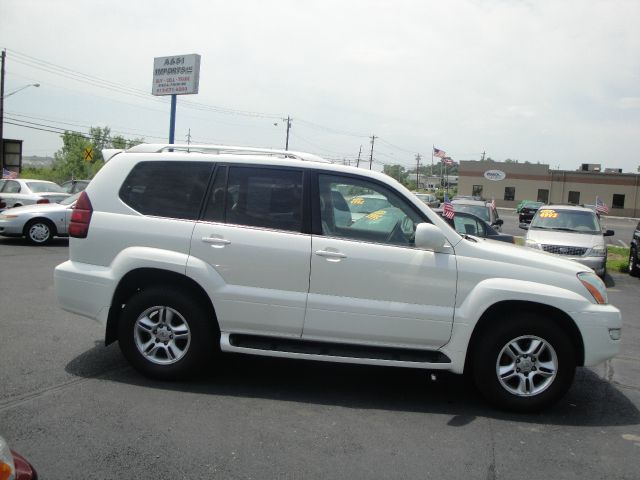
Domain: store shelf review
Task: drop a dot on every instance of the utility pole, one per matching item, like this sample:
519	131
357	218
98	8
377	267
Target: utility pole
189	137
359	152
373	139
286	145
4	54
482	159
418	157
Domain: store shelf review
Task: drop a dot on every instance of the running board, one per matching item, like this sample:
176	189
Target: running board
259	344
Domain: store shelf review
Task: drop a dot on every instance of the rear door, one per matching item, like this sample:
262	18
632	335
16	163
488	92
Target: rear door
253	237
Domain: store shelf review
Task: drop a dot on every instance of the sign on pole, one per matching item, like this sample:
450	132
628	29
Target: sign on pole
176	75
88	154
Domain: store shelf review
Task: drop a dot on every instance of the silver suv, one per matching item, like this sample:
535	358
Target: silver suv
571	231
183	251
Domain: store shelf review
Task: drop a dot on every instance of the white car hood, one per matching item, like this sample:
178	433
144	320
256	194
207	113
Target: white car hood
554	237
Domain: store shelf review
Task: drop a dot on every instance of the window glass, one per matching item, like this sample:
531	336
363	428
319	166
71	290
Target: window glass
543	195
476	191
11	187
40	187
618	201
375	214
265	197
468	225
566	221
574	197
167	189
509	193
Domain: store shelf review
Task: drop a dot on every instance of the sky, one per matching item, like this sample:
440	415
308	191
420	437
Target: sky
555	82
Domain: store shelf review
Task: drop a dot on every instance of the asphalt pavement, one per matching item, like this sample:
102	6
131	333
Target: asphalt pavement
77	410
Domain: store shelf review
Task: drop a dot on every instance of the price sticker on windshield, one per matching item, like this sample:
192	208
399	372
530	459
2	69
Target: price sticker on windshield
377	215
548	214
357	201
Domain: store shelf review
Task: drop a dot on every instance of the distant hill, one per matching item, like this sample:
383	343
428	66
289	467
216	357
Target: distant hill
36	161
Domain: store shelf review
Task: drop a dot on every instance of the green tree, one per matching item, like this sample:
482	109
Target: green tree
69	161
396	171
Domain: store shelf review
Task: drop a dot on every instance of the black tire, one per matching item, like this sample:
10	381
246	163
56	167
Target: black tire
166	314
534	374
634	269
39	231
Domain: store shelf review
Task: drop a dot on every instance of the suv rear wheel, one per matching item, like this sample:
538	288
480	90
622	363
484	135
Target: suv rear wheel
165	334
524	364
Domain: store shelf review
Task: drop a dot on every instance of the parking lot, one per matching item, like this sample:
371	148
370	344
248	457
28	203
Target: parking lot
75	409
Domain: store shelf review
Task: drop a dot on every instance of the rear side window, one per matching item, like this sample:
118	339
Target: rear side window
167	189
257	197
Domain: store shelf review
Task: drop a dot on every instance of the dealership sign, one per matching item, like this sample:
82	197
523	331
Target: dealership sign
176	75
495	175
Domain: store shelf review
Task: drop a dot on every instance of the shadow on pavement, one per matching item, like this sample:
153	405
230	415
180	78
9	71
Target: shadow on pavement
591	401
22	242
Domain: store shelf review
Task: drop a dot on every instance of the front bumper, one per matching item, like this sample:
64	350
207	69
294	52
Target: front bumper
595	325
11	227
598	264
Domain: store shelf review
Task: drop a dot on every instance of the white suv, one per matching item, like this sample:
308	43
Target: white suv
183	251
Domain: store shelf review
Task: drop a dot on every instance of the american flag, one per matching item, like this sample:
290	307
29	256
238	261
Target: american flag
448	161
601	207
439	153
9	173
447	209
493	203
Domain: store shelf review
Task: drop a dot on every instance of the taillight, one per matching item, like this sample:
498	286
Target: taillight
81	217
43	200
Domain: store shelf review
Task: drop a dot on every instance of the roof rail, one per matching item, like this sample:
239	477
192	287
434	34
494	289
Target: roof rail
221	149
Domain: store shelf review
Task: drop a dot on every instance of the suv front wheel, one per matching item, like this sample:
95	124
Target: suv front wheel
524	364
166	334
634	269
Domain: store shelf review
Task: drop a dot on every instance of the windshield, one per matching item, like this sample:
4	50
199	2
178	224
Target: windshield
71	199
40	187
567	221
478	210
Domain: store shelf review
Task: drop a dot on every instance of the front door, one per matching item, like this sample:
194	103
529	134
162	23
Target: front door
369	284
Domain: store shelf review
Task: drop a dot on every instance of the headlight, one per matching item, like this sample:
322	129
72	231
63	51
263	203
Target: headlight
7	468
595	285
598	252
532	244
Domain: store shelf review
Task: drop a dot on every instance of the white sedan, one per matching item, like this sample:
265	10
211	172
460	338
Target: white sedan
22	191
38	223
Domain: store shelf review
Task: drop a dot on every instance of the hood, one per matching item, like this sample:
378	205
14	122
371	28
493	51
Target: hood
571	239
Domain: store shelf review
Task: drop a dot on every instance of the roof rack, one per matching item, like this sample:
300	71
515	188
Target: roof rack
221	149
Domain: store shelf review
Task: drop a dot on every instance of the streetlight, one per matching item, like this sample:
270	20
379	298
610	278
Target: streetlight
21	88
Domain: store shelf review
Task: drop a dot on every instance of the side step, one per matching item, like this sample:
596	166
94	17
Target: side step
328	349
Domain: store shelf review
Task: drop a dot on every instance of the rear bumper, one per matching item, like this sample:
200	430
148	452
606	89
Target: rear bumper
83	289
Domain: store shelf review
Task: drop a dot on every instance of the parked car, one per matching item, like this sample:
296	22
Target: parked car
74	186
571	231
469	224
634	253
14	466
527	210
480	208
20	191
38	223
429	198
180	251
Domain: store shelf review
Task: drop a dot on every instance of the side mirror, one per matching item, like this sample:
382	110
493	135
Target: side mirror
429	237
499	221
609	233
524	226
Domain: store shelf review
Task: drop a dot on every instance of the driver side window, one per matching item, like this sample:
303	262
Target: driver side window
362	210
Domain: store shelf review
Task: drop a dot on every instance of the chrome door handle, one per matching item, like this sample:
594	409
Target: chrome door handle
216	241
329	254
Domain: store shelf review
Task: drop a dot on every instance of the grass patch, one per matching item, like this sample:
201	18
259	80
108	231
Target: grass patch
618	259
